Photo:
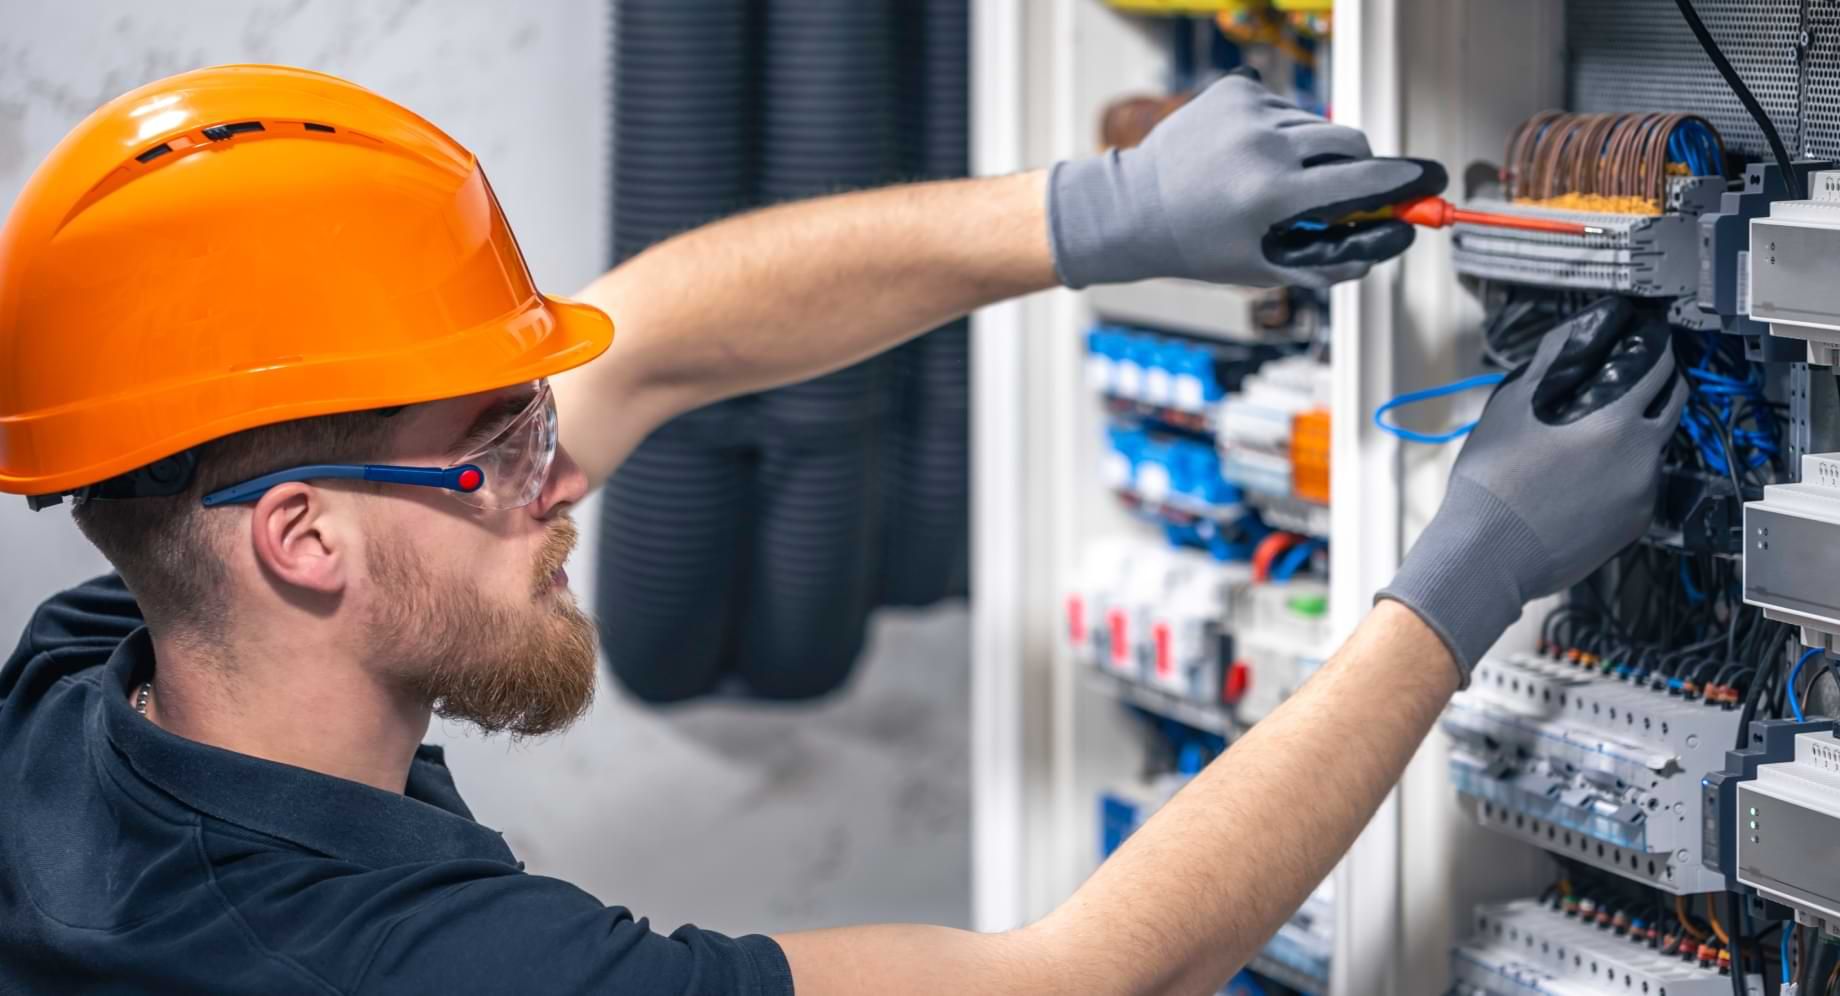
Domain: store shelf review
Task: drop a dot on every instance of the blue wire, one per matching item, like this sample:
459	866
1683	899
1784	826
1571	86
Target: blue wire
1293	561
1694	595
1731	401
1795	701
1414	397
1244	984
1788	928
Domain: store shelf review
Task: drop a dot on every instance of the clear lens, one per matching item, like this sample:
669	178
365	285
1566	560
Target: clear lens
516	462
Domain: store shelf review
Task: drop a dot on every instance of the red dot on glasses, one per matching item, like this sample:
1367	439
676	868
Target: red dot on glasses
471	479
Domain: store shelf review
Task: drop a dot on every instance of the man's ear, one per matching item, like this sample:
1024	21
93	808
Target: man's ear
298	541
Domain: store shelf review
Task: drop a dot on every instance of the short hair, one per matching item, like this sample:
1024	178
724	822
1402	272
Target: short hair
165	548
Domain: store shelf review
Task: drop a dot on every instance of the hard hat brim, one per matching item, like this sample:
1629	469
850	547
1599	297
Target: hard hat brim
545	338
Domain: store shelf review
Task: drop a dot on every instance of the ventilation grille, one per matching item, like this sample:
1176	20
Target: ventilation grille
1638	55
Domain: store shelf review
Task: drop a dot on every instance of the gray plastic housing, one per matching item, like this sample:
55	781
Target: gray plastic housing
1639	255
1771	741
1601	770
1525	947
1725	234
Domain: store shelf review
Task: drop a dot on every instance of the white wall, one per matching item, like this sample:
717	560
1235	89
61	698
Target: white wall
522	85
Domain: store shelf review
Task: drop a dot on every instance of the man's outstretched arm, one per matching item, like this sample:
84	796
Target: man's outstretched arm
790	292
1194	892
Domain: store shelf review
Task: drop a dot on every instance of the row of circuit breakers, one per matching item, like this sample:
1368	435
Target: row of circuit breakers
1628	776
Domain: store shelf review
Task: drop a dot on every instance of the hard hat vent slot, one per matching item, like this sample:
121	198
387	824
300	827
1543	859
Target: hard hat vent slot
154	153
310	126
220	132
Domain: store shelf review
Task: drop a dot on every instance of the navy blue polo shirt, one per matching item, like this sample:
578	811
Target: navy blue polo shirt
136	861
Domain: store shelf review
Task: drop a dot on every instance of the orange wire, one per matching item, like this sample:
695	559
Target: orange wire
1686	921
1268	550
1712	915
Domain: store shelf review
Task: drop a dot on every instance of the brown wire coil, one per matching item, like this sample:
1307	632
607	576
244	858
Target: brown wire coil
1615	159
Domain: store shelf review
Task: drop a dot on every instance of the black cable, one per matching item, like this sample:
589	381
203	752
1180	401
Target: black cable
1699	673
1549	626
1806	944
1759	633
1604	609
1822	962
1731	449
1730	674
1783	162
1752	696
1736	917
1832	670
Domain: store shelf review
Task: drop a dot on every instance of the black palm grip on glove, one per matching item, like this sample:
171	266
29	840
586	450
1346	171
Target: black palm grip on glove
1313	244
1215	190
1370	242
1559	473
1609	347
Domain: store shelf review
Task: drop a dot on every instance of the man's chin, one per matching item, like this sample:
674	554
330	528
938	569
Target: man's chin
539	720
543	692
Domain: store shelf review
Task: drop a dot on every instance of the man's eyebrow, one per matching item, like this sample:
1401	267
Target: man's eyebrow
491	421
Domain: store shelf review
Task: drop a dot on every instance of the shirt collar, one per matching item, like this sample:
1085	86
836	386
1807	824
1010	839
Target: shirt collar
334	816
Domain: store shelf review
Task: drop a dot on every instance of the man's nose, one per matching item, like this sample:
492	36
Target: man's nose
566	486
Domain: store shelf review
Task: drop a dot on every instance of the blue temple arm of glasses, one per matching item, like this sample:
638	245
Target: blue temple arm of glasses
464	478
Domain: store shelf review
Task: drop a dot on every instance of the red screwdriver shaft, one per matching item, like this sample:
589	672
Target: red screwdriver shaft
1436	212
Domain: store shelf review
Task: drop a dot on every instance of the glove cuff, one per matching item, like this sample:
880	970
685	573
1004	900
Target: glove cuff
1105	222
1463	576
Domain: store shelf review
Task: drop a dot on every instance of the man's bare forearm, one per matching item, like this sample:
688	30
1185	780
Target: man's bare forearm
790	292
1217	870
1193	894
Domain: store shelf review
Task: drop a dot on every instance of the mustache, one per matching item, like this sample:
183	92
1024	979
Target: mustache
555	553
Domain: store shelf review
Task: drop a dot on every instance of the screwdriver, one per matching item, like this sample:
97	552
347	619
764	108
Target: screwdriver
1436	212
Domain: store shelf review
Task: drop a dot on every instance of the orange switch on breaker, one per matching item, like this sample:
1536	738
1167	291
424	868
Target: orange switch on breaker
1310	455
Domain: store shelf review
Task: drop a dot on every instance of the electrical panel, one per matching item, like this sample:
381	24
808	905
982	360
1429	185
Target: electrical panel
1194	598
1614	743
1218	611
1594	749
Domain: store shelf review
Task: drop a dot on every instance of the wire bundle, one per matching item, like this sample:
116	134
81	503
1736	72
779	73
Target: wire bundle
1686	632
1612	163
1729	426
1518	317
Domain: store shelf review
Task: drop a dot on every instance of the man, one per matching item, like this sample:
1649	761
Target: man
270	335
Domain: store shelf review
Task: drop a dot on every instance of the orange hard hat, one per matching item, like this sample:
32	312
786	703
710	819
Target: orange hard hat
244	245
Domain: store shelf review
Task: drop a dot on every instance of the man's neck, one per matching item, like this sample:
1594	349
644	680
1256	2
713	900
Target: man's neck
289	705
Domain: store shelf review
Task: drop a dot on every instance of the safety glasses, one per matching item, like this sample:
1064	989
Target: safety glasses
506	471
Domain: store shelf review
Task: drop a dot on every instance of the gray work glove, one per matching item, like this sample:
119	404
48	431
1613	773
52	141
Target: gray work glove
1559	476
1216	191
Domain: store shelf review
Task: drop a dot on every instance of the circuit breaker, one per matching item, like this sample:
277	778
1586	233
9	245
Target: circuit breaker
1528	947
1595	768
